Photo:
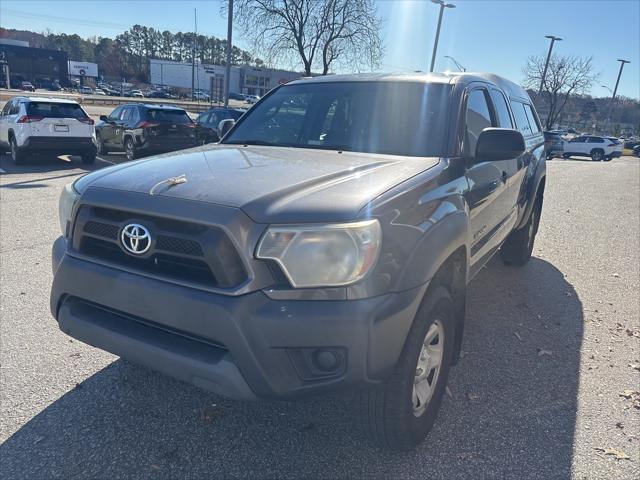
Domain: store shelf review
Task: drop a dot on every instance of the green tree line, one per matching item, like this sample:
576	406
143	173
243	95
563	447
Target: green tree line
128	54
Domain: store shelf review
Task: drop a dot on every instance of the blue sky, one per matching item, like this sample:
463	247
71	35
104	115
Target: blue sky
483	35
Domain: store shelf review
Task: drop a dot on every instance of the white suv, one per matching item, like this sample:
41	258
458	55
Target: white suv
46	125
598	148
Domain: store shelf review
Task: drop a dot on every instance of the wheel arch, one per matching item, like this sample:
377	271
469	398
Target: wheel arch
452	275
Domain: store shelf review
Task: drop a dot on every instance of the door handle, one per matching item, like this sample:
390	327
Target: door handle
504	177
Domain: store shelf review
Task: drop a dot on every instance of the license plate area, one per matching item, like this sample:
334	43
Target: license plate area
61	128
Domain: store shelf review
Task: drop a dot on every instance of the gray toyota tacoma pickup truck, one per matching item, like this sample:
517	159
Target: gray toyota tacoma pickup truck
324	244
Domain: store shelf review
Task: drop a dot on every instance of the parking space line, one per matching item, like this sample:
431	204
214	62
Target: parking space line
106	161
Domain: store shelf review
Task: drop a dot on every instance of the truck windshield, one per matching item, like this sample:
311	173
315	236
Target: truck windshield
397	118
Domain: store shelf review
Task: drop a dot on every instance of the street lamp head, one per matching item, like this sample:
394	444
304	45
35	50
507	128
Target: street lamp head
449	5
553	37
623	61
438	2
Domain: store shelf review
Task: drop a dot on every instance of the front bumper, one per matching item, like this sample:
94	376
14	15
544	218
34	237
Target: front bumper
60	145
246	347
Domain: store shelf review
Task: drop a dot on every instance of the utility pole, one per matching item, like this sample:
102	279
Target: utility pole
193	58
227	71
435	43
615	90
546	64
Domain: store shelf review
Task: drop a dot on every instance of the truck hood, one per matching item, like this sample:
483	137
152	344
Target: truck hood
270	184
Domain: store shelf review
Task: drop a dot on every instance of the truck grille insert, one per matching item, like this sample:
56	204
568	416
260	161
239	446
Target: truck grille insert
183	252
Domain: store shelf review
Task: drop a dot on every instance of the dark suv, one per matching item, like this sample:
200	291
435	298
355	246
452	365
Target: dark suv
325	244
207	123
140	130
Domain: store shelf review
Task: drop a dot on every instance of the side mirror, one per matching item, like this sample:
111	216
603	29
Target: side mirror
104	118
224	126
499	144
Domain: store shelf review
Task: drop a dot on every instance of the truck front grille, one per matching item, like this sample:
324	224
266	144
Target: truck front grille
184	252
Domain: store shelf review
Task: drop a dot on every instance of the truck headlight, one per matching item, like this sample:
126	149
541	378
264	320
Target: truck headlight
68	199
323	255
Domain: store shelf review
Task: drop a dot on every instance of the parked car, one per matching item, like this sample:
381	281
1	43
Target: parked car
159	94
85	90
99	91
251	98
636	150
27	87
34	125
553	144
236	96
617	152
201	96
137	94
598	148
322	248
139	130
207	123
631	143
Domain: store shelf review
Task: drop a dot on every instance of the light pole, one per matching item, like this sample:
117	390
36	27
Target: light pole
227	69
460	67
435	43
615	89
546	64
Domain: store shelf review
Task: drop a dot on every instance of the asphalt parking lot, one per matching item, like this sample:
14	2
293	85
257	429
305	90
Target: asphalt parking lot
547	386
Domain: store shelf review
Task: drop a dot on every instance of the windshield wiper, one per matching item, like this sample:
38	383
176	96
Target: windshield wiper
256	142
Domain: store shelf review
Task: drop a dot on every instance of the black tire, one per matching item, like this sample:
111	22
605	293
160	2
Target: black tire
517	248
89	158
597	154
386	412
17	157
130	149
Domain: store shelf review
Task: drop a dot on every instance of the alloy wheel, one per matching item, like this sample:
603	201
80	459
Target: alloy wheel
428	367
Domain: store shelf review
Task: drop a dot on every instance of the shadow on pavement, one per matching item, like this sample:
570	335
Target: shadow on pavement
512	411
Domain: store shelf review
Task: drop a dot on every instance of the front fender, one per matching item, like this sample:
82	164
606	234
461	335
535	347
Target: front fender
530	190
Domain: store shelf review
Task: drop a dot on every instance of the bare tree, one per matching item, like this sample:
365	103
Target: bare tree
566	76
326	32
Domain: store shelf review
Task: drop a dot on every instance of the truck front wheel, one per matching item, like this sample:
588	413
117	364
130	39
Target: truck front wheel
399	413
517	248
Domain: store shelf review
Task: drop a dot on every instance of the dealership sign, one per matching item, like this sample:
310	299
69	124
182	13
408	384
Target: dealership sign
83	69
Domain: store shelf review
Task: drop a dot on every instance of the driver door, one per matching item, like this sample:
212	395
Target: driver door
492	214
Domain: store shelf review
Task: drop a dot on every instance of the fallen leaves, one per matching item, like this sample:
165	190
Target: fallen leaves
448	392
542	351
617	454
632	395
210	413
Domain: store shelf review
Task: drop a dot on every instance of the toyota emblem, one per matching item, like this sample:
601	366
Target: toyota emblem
135	238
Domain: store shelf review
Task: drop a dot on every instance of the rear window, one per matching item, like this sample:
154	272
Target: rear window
54	110
522	123
168	116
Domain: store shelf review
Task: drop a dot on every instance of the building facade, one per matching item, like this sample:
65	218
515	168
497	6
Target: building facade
36	65
246	80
